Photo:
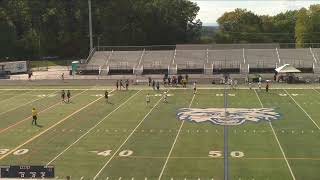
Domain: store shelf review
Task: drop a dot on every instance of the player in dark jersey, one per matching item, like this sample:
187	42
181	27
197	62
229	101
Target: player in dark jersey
127	84
117	84
63	95
121	84
106	96
267	87
68	95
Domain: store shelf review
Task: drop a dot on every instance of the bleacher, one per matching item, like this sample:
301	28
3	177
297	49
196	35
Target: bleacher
99	57
299	58
261	60
190	61
201	59
156	62
226	60
123	62
316	52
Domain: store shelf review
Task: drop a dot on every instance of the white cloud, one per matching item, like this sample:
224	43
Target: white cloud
211	10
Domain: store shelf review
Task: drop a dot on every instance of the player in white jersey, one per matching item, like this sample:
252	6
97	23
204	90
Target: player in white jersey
194	88
147	99
259	85
165	95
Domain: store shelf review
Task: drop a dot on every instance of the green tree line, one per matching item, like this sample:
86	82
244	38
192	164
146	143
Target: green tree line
40	28
243	26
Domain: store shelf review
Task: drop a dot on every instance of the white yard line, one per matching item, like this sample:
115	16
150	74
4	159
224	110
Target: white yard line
316	91
92	128
276	137
116	152
54	125
302	109
24	104
18	95
25	119
174	143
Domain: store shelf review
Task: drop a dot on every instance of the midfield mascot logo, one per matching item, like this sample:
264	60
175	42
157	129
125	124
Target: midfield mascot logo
231	116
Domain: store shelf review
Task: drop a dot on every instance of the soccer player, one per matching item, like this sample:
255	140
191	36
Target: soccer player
34	116
149	81
267	87
62	76
117	84
153	85
235	84
68	95
106	96
158	86
194	88
63	95
121	84
165	95
147	99
127	84
259	85
231	83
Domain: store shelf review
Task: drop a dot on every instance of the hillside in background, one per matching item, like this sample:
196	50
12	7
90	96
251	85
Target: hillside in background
34	29
243	26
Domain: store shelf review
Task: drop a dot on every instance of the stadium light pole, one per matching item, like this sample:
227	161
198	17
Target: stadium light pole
90	25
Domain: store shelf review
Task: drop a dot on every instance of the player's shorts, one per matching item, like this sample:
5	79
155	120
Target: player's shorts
34	117
194	89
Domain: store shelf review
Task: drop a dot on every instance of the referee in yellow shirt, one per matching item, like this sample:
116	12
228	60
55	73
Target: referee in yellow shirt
34	116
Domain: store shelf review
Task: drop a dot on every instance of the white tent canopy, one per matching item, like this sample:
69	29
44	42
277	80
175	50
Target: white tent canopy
287	68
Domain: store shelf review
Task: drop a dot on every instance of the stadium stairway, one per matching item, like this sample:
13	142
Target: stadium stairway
208	69
316	68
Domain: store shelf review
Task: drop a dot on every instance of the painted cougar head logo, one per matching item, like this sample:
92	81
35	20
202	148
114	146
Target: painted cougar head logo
233	116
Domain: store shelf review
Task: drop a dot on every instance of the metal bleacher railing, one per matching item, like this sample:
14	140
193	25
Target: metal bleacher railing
221	56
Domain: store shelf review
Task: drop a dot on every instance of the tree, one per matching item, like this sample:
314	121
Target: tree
303	28
60	27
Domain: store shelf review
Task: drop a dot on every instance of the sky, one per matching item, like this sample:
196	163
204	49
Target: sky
211	10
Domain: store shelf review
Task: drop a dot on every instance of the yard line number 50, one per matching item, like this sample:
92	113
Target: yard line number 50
218	154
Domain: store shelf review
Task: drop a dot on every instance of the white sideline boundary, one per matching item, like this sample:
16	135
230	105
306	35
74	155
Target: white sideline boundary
1	93
125	141
174	143
305	112
25	104
44	131
276	137
92	128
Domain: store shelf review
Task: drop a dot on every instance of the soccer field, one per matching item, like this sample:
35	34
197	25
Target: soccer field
269	136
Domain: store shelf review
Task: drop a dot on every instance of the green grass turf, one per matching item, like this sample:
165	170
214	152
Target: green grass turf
143	142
